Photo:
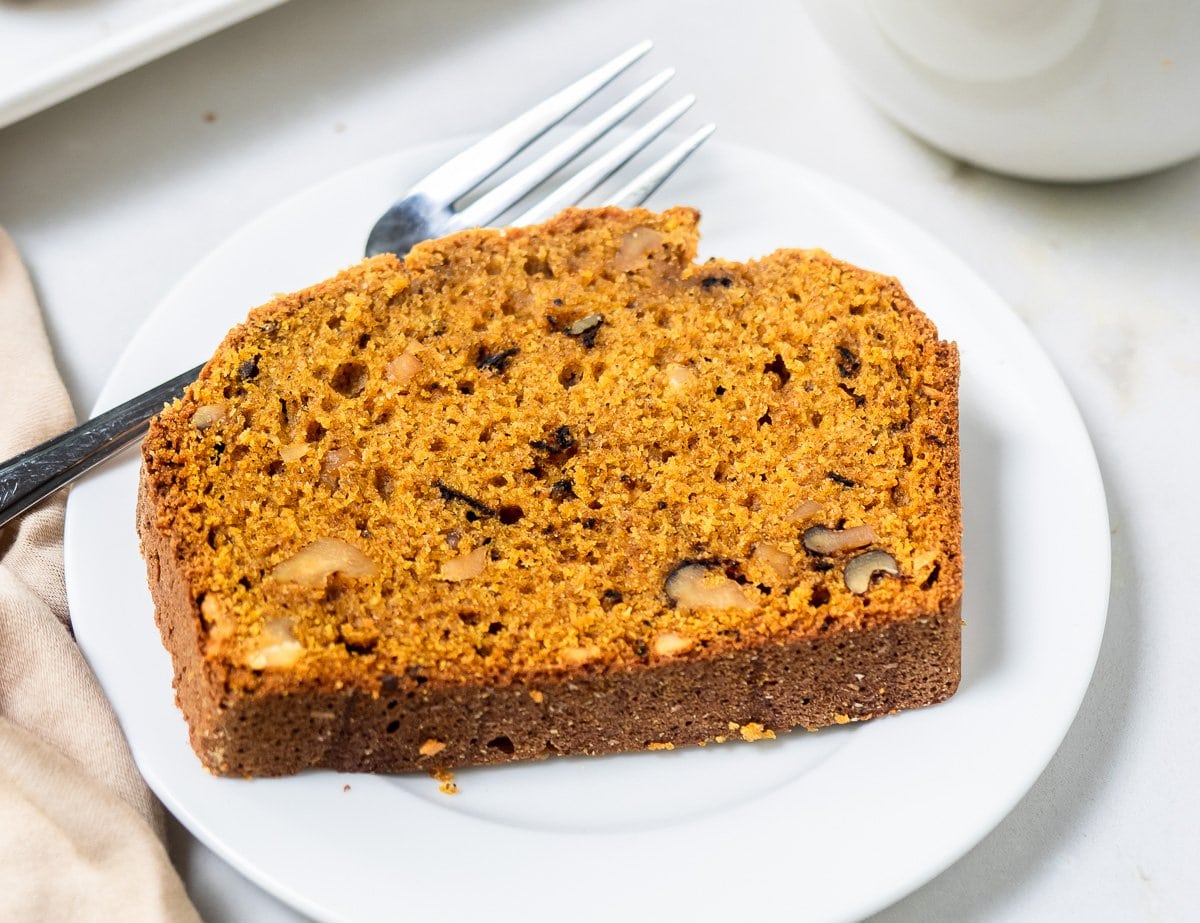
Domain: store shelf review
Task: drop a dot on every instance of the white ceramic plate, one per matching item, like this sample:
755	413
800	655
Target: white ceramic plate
823	826
53	49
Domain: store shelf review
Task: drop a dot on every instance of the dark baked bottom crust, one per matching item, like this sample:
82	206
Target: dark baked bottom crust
832	678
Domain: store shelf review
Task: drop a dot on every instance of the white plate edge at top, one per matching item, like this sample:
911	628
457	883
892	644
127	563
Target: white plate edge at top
136	43
1087	481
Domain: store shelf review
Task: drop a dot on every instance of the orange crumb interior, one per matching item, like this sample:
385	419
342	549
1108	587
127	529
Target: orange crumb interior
499	451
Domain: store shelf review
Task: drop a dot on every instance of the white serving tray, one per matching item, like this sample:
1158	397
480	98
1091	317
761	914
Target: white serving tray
52	49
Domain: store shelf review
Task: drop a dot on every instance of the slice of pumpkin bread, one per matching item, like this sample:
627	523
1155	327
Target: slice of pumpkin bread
557	490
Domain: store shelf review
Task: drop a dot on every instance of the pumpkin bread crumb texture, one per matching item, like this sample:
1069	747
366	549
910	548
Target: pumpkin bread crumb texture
522	469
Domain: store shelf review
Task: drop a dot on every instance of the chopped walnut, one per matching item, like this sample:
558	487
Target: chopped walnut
922	561
316	561
586	329
579	655
635	246
404	368
219	622
465	566
678	376
773	557
823	540
693	585
805	510
208	414
332	463
669	644
277	647
862	569
290	453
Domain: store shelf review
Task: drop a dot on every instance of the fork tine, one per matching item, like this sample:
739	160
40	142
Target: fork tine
463	172
493	204
595	173
642	186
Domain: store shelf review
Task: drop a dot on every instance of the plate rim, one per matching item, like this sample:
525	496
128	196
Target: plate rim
1006	317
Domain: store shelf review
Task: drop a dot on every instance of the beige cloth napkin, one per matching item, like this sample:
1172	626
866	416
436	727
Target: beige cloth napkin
81	837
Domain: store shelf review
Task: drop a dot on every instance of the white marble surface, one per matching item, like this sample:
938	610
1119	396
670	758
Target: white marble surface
113	195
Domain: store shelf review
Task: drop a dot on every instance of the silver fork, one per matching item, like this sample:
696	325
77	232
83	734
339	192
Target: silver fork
427	210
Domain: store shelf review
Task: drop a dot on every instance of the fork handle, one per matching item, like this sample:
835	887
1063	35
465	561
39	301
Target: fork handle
37	473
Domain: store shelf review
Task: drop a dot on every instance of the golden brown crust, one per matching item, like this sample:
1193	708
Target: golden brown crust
428	643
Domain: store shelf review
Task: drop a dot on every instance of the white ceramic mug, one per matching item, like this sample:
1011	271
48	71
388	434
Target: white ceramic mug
1074	90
